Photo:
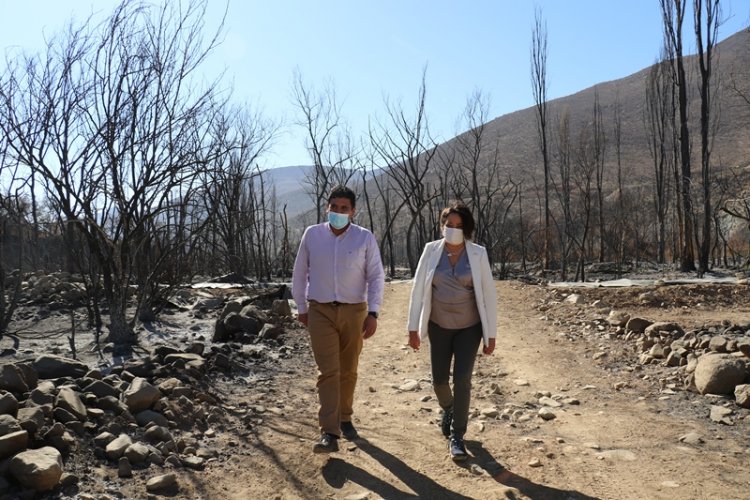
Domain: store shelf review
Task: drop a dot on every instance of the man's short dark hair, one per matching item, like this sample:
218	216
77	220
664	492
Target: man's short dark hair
467	219
343	192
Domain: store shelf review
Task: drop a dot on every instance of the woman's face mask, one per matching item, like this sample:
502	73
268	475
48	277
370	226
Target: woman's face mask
338	221
453	235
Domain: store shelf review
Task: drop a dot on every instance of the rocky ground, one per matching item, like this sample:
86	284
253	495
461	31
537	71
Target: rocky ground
578	402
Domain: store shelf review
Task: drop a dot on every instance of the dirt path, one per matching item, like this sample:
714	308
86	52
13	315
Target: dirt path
616	435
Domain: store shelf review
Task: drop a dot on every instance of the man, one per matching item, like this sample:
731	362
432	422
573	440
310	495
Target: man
338	283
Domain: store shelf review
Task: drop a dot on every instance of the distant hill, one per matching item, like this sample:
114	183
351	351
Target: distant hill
515	135
291	188
517	141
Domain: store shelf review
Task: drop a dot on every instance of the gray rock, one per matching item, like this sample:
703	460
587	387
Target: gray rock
44	393
124	468
193	462
49	366
147	417
64	416
137	453
663	327
101	389
719	373
656	351
140	395
546	414
104	439
281	307
110	403
160	483
270	331
718	343
8	424
618	455
742	395
12	380
69	400
158	433
618	318
547	401
237	322
8	404
409	385
184	358
31	419
721	415
691	438
574	298
169	385
12	443
116	448
39	470
637	325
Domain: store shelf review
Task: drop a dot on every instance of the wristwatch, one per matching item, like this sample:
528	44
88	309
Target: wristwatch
373	314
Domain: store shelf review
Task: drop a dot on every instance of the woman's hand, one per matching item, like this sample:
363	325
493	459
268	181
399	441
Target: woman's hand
489	348
414	340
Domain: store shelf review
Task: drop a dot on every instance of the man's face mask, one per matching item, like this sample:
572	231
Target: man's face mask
338	221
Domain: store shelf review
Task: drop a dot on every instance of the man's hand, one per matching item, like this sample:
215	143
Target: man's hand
414	340
369	327
302	318
489	348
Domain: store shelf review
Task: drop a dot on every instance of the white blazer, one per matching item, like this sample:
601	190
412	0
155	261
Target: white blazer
420	304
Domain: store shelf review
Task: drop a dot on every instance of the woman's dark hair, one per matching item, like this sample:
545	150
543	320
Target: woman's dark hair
343	192
467	220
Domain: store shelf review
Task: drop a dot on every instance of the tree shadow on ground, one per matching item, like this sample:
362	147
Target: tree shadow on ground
499	473
336	472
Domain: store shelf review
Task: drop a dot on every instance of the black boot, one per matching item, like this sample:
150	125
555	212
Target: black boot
445	425
457	449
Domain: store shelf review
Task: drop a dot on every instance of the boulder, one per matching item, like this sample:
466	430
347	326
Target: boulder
12	380
39	470
718	343
140	395
8	424
742	395
281	307
101	389
236	322
637	325
69	400
44	394
161	483
49	366
12	443
618	318
8	404
137	453
31	419
654	329
116	448
719	374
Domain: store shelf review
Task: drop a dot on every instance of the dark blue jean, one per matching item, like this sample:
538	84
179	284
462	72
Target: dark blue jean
460	348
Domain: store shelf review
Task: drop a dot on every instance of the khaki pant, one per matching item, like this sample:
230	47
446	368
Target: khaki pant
336	340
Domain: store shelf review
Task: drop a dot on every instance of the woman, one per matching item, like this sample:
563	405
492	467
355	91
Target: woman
454	303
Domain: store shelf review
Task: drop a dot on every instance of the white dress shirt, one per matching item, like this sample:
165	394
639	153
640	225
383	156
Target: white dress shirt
345	268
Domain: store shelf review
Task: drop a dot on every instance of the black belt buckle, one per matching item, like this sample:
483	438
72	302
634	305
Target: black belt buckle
336	303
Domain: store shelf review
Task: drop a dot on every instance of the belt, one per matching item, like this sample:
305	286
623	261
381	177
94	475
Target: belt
335	303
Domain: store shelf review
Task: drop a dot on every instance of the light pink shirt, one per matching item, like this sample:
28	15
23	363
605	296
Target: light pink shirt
345	268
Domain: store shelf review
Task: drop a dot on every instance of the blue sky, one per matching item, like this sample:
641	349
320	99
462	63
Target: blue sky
371	49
